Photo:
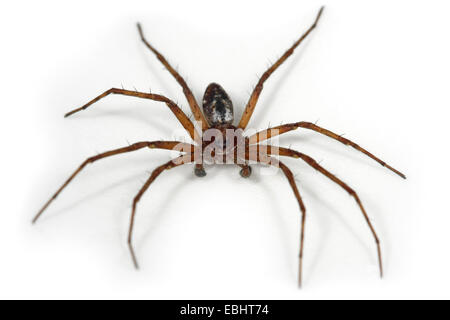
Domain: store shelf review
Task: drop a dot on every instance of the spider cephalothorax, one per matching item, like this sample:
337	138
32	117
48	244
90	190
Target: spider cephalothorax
217	140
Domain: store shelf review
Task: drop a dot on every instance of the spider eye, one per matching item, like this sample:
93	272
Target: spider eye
217	106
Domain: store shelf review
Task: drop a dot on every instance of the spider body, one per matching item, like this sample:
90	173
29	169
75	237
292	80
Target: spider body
217	140
222	139
217	106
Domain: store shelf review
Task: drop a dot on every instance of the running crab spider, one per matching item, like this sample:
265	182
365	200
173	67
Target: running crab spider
217	117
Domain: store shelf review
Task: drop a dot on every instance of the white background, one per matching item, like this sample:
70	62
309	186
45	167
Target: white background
377	71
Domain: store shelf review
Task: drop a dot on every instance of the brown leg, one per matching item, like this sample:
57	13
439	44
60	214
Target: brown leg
288	173
169	165
169	145
295	154
251	104
275	131
181	116
198	115
261	158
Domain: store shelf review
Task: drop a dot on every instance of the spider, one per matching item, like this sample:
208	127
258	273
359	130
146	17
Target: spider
217	140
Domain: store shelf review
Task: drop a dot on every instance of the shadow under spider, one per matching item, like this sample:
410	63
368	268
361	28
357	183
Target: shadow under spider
95	194
134	114
158	213
327	209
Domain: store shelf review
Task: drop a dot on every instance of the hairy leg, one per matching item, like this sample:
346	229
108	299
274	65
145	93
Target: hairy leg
313	163
275	131
251	104
265	159
181	116
198	115
168	145
187	158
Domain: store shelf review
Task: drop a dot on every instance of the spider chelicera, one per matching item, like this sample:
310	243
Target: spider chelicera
219	141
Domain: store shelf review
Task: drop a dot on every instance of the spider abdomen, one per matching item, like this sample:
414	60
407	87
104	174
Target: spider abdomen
217	105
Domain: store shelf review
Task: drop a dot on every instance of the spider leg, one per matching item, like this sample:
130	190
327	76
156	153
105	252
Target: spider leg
265	159
168	145
187	158
275	131
313	163
251	104
187	92
181	116
288	173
